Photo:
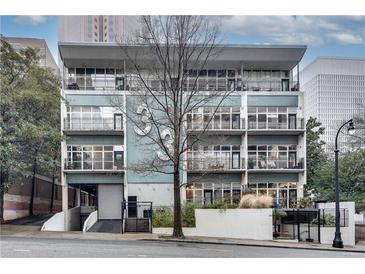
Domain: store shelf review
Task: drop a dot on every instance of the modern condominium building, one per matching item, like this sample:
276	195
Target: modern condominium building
255	141
96	28
334	91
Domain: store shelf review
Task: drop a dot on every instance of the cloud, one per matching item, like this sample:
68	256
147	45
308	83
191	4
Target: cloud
30	19
310	30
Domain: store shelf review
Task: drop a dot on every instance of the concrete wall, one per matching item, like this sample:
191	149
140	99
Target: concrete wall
57	221
255	224
17	197
347	233
359	232
158	194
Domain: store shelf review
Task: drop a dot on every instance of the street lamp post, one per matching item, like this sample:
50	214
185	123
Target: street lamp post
337	241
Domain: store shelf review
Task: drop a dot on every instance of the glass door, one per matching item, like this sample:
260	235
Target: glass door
235	160
292	121
118	121
208	196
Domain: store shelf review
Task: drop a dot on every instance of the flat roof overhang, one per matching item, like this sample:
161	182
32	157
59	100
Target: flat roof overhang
263	57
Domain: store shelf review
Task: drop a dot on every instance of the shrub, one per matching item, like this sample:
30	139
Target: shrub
163	217
188	215
253	201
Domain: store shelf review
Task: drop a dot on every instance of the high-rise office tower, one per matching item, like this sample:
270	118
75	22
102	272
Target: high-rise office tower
97	28
334	91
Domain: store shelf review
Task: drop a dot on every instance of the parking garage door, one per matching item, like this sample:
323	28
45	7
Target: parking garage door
110	198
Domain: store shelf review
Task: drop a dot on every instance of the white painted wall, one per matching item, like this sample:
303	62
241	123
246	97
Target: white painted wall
90	221
158	194
347	233
254	224
57	221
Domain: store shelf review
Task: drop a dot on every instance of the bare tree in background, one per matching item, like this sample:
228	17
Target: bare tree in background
165	87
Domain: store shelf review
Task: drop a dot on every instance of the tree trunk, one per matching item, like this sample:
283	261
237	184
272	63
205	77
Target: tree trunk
52	194
33	188
2	192
177	232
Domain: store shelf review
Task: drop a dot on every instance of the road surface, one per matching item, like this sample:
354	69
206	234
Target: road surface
18	247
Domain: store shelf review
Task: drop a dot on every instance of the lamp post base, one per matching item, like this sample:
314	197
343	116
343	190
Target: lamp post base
337	242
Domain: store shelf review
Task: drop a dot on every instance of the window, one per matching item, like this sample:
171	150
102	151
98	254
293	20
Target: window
207	192
94	157
272	157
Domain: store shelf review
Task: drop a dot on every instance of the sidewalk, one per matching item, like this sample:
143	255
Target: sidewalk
34	232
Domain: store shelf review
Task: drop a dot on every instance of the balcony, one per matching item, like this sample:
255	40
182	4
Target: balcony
216	164
94	126
262	164
93	166
292	126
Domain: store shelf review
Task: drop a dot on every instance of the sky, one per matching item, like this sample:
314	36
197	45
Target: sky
324	35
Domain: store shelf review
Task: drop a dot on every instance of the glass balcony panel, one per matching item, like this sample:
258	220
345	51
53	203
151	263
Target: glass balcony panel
262	121
108	165
87	165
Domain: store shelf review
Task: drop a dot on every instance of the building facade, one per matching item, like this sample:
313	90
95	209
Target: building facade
334	91
255	142
96	28
46	58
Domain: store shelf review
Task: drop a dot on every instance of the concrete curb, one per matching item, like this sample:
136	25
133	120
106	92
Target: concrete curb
252	244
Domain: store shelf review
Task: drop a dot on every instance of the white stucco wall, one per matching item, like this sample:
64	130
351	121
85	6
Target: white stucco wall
158	194
254	224
347	233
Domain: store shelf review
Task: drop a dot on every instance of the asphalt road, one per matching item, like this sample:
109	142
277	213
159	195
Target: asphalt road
17	247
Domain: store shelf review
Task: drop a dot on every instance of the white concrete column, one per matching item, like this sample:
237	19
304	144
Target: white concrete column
78	197
65	202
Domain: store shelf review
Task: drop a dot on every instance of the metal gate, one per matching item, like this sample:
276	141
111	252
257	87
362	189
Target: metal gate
297	224
136	216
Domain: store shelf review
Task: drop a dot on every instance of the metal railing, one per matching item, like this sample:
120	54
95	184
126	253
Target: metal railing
214	164
274	164
217	125
202	83
92	124
93	165
298	124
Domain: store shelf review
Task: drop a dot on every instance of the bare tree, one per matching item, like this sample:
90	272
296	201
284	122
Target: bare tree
165	82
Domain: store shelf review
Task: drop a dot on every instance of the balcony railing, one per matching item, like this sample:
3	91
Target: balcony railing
274	164
93	165
297	124
220	124
214	164
112	82
99	124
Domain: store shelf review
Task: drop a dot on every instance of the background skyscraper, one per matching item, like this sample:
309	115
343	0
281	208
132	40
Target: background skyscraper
334	91
97	28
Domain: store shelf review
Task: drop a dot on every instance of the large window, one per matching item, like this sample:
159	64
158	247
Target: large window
284	194
94	78
273	157
93	118
272	118
213	118
207	193
215	157
94	157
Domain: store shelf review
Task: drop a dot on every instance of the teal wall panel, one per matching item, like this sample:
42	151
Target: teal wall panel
273	177
85	178
214	178
94	100
95	140
272	100
273	140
